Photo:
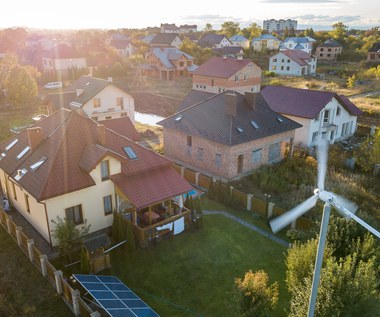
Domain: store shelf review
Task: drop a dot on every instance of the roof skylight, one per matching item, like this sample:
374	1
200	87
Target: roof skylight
240	130
20	173
9	146
280	119
254	124
38	163
178	118
130	152
22	153
2	155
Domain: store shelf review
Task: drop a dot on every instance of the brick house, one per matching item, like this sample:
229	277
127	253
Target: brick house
329	50
219	74
168	63
226	135
373	54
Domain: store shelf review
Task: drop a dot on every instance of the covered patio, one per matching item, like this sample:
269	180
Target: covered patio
153	202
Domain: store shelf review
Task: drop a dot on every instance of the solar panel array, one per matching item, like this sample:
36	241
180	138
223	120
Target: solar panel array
114	296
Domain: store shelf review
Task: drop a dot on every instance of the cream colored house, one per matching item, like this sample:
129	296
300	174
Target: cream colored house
265	42
100	99
69	166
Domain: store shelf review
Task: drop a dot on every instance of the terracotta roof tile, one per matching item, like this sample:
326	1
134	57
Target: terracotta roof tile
123	126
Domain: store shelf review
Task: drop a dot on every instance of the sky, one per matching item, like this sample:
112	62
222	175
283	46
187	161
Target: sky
114	14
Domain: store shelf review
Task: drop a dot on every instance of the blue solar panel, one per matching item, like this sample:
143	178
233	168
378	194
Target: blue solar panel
114	296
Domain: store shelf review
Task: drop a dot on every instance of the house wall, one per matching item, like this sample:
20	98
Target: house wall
108	107
61	64
225	42
90	198
328	53
373	57
269	44
176	149
243	44
177	42
251	83
283	65
307	47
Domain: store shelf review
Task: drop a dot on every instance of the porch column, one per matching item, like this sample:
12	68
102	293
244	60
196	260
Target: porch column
291	147
150	215
58	281
170	208
135	216
180	201
270	210
75	298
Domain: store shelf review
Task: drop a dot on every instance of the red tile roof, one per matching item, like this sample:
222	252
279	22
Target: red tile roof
151	187
350	106
303	103
300	57
221	67
123	126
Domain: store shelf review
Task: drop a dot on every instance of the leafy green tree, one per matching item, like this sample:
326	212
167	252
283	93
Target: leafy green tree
368	153
351	81
208	28
21	86
253	296
230	28
115	227
130	244
84	261
252	31
200	54
69	235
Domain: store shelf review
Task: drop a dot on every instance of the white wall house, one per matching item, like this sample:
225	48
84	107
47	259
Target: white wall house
323	115
298	43
293	63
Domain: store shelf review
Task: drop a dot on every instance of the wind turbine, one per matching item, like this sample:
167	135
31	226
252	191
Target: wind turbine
341	204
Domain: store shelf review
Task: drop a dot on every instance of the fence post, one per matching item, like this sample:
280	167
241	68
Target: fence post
183	171
197	178
75	297
9	226
270	210
43	259
18	235
30	249
58	281
249	202
95	314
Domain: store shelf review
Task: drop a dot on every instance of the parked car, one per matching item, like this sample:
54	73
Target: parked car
54	85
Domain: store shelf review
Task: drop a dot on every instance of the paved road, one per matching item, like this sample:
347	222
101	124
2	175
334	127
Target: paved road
248	225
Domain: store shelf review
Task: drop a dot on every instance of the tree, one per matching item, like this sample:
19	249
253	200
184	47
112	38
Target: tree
207	28
253	296
69	235
368	153
351	81
252	31
84	261
115	227
339	32
130	244
230	28
200	54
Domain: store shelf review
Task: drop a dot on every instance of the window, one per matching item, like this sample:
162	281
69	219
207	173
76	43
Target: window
245	77
287	68
314	137
282	67
200	154
338	111
329	50
95	118
274	153
96	102
10	145
74	214
288	61
105	170
107	203
108	117
326	116
22	153
236	78
283	61
317	117
254	124
240	163
130	152
123	114
14	191
218	160
120	102
274	60
256	156
324	135
36	165
181	64
27	207
322	49
212	82
189	140
328	55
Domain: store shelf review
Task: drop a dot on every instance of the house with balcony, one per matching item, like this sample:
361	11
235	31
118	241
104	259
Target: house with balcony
226	135
213	40
304	44
98	98
219	74
373	54
328	50
323	114
265	42
293	63
69	166
168	63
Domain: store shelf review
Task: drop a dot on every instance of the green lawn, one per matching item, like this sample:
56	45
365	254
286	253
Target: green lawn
196	270
23	290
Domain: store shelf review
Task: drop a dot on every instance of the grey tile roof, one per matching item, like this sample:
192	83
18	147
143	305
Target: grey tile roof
193	97
330	43
211	39
375	47
163	39
208	119
166	55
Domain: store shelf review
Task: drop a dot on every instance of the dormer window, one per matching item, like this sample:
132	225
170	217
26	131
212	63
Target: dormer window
20	173
130	152
105	170
22	153
96	102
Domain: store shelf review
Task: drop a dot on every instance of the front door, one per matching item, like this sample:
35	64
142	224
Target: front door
240	163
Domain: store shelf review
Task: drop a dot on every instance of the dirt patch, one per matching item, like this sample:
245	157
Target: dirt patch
163	106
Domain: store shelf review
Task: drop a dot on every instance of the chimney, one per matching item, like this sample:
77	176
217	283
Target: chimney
35	137
250	98
101	134
110	79
79	92
230	102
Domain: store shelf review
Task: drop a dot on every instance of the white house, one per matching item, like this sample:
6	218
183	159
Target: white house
239	40
323	115
298	43
213	40
125	48
100	99
293	63
69	166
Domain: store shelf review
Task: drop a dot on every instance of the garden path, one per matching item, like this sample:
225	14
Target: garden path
248	225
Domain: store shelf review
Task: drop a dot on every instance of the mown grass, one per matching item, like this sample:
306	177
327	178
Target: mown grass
193	273
23	290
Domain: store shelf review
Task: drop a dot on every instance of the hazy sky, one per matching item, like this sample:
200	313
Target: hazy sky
112	14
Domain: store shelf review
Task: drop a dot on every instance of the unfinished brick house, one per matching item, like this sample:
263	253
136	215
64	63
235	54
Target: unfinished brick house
226	135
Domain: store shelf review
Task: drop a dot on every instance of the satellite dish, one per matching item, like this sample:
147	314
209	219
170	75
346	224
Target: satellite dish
341	204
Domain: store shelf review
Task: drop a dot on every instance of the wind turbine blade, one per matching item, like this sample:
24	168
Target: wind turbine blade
344	202
322	154
365	225
288	217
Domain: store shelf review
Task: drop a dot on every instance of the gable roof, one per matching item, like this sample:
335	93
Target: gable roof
211	39
238	38
300	57
163	39
301	40
207	119
71	146
169	54
266	37
122	126
375	47
221	67
228	50
330	43
120	44
303	103
193	97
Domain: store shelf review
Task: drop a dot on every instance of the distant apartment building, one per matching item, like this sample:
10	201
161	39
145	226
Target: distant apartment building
172	28
279	25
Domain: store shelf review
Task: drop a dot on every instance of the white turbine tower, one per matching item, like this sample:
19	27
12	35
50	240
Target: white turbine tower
341	204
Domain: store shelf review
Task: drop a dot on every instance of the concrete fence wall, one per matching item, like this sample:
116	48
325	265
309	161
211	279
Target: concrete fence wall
70	296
